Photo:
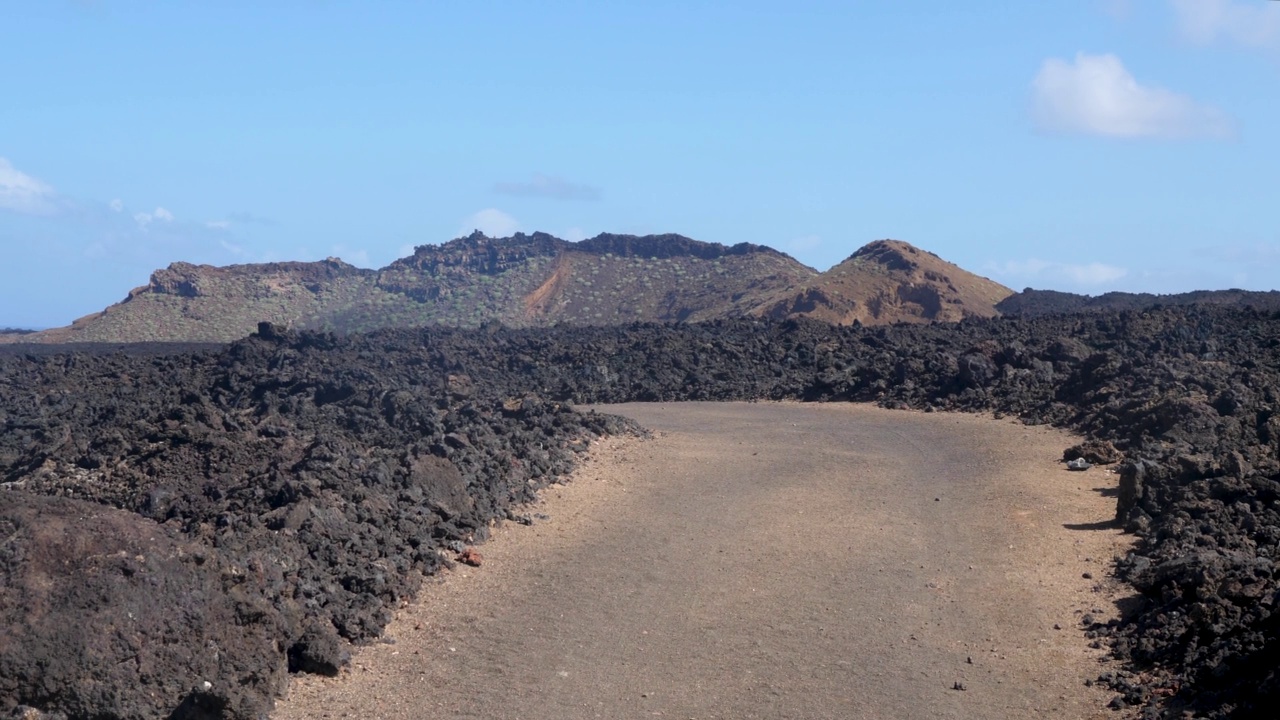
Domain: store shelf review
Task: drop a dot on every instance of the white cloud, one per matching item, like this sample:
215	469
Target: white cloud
218	224
116	205
1054	274
159	214
491	222
1252	24
574	234
406	250
549	186
1096	95
22	193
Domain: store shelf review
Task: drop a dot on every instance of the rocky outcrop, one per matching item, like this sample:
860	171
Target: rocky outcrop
185	280
180	279
475	253
665	246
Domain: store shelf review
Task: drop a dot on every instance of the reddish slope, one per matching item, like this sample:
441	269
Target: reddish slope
889	281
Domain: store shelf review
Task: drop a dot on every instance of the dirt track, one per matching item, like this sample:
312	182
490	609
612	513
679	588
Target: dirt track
769	561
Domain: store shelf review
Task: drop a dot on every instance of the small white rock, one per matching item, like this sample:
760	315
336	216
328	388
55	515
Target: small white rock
207	685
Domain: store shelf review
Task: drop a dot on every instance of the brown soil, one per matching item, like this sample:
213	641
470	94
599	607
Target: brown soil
769	561
541	301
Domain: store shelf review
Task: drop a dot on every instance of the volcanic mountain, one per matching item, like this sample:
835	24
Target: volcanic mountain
889	281
539	280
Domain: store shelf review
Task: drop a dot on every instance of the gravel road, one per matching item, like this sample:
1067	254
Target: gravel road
769	560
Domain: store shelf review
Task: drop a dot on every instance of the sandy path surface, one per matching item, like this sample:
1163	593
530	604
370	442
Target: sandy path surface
768	561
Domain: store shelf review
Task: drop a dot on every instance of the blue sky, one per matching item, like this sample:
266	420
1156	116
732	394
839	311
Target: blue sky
1082	145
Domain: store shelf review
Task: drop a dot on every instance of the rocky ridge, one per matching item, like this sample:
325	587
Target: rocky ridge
536	281
1051	302
539	280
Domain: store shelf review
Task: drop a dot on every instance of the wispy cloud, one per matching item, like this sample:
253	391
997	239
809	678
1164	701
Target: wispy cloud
803	243
1096	95
111	231
144	219
1021	267
1250	24
157	237
1094	273
1053	273
160	242
492	222
25	194
1249	255
234	219
549	186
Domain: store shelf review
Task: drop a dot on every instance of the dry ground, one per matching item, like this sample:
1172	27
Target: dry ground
768	561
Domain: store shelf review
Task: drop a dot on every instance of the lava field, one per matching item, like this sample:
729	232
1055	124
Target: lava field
183	527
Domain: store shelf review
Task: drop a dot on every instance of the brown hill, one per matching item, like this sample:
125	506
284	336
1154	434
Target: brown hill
535	280
203	303
520	281
538	280
889	281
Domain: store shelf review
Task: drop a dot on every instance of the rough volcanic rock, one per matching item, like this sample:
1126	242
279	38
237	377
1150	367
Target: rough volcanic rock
354	461
187	280
105	614
317	488
665	246
1031	302
1094	452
